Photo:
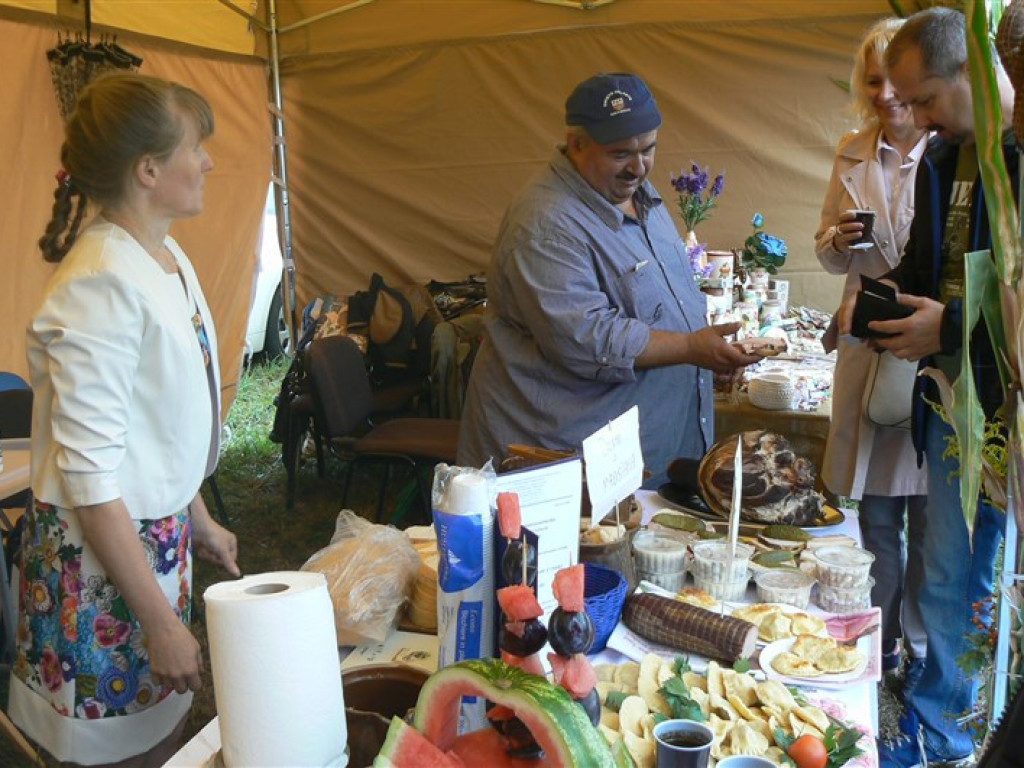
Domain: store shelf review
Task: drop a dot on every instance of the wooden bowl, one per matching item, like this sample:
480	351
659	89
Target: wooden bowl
373	695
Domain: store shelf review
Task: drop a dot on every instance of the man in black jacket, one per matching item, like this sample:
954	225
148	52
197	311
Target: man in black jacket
927	62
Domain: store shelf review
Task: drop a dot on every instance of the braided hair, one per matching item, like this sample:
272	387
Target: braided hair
118	119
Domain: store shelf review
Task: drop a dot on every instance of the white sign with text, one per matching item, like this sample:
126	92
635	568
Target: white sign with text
614	463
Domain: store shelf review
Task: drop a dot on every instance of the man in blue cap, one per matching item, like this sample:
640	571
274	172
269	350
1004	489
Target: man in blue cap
592	306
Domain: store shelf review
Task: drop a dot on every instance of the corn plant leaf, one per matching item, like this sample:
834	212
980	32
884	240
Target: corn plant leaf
990	295
968	417
988	126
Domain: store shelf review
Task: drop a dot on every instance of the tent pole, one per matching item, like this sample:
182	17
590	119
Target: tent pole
279	175
280	178
326	15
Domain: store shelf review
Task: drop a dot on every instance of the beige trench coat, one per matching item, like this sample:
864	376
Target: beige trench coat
859	457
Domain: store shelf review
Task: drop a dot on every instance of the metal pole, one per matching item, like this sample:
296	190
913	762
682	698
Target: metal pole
280	179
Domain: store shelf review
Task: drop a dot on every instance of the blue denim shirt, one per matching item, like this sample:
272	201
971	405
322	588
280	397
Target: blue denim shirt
574	288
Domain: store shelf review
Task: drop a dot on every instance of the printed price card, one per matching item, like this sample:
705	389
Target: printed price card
614	463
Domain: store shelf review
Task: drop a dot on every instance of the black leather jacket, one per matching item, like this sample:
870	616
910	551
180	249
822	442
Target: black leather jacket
920	271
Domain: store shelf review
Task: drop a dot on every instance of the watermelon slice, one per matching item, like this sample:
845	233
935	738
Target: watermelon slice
560	725
568	587
519	603
405	747
573	673
499	712
530	664
485	748
510	518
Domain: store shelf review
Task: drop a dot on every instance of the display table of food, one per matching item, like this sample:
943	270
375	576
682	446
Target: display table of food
857	696
635	667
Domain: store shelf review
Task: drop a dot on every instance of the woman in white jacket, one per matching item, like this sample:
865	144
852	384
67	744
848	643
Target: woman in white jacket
874	169
125	427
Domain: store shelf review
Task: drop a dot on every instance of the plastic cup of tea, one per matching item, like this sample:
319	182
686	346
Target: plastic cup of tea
682	744
867	220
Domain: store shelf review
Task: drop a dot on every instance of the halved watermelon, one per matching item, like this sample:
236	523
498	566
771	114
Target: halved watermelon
559	724
404	747
574	673
519	603
568	587
510	518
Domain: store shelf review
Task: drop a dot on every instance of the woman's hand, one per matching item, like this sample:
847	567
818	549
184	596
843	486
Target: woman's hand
175	659
174	656
212	541
848	232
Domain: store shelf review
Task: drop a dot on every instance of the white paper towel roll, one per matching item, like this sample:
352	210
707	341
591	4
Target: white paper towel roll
276	674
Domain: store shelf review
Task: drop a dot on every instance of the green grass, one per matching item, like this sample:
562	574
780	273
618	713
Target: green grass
247	450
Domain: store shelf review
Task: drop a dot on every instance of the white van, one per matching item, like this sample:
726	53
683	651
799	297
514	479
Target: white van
267	332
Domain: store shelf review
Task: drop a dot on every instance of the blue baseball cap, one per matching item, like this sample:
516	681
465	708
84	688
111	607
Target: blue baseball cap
612	107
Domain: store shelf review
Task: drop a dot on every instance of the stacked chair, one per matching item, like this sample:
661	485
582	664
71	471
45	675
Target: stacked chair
337	405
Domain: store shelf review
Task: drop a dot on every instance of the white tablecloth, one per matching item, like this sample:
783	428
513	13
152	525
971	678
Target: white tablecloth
860	701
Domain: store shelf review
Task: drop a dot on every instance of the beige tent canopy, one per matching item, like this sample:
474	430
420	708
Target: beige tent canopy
409	125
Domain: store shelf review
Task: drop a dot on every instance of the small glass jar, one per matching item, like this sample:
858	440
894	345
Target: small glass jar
771	312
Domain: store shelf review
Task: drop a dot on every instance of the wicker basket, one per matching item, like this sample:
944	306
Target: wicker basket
604	592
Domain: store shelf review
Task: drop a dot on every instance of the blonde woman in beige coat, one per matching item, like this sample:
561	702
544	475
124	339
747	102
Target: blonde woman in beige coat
874	169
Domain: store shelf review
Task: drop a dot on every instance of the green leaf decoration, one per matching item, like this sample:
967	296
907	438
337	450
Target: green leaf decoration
615	699
680	664
677	695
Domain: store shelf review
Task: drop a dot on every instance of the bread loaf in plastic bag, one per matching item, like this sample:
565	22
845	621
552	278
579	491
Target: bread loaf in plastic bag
370	570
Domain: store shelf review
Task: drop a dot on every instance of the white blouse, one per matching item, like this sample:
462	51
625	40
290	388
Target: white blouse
123	405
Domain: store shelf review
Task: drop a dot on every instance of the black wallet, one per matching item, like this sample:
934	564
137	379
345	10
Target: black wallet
875	301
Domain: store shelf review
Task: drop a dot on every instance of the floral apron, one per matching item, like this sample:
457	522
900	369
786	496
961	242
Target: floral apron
79	645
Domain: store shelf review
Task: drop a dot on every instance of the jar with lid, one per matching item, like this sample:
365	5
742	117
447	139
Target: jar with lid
771	312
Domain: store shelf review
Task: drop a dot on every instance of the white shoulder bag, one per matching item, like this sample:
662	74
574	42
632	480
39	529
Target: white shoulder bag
889	394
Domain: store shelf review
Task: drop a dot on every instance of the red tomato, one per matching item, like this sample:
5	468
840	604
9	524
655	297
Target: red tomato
808	751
